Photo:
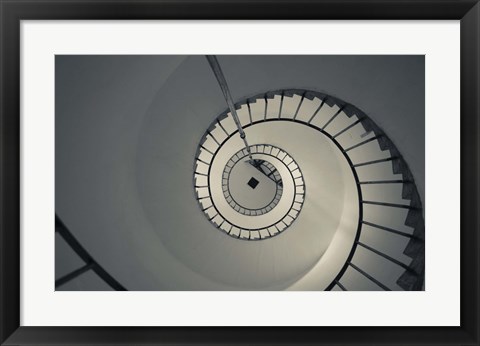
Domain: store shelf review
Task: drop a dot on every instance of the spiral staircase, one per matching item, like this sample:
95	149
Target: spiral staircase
343	211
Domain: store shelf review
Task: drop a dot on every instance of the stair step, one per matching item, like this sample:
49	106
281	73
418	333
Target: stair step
295	172
324	115
228	124
273	107
368	152
386	216
340	122
353	280
281	226
201	180
382	269
254	235
218	220
206	203
389	243
201	167
244	115
353	135
205	155
202	193
257	109
290	106
226	226
272	230
211	213
244	234
378	172
264	233
218	132
235	231
388	193
211	143
308	108
275	151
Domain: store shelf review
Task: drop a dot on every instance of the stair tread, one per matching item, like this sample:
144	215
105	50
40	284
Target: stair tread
389	243
218	133
201	167
354	281
201	180
244	115
387	193
290	106
273	107
382	269
378	172
340	122
308	108
228	124
368	152
257	109
392	218
352	136
210	144
324	115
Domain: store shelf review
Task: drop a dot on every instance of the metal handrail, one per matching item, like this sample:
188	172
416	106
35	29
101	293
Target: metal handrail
90	262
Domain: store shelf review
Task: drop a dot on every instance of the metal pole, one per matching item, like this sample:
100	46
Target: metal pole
212	60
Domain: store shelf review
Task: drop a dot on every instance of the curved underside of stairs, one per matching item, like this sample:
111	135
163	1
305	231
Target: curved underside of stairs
386	196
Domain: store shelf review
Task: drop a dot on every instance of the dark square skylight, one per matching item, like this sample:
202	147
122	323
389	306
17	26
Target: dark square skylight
253	183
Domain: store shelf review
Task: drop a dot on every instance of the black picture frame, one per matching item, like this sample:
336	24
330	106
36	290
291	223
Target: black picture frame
13	11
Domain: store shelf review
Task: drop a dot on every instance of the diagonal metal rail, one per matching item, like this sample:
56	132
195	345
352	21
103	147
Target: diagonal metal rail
217	70
90	263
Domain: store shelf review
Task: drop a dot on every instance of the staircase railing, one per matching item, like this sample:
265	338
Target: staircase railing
90	262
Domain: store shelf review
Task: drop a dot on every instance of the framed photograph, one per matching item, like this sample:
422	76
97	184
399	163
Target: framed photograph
208	172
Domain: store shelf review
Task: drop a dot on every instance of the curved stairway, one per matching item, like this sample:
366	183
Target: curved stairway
131	181
390	227
389	234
